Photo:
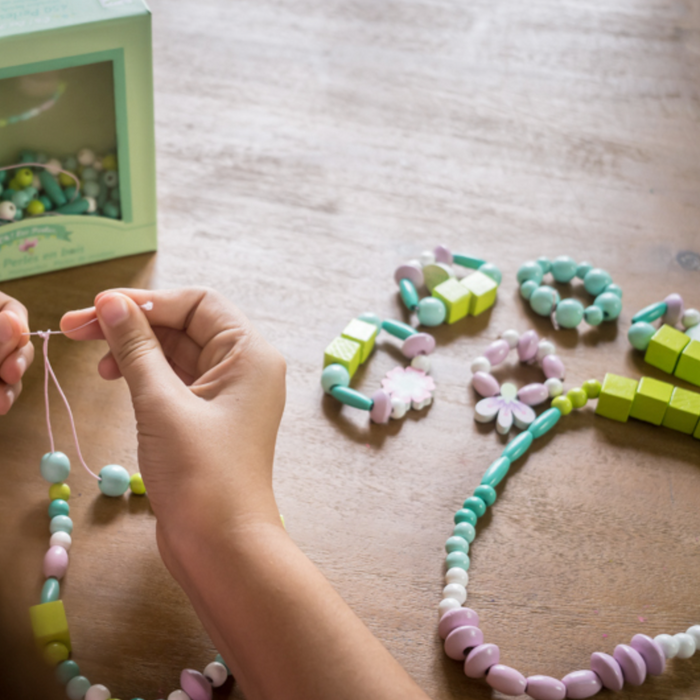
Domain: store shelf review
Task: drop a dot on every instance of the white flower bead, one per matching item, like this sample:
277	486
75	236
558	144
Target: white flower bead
86	156
421	362
544	348
511	337
457	575
668	644
447	604
178	695
418	405
427	257
554	387
98	692
54	166
61	539
398	408
690	318
686	645
694	632
480	364
92	204
216	673
456	591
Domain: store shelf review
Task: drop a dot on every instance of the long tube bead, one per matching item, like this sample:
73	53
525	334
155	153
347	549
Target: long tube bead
650	313
350	397
544	422
467	261
409	295
496	472
398	329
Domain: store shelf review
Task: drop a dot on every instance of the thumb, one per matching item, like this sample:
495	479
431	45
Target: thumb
134	346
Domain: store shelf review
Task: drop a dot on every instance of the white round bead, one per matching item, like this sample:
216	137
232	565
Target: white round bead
7	210
694	632
480	364
398	408
457	575
92	204
668	644
86	156
178	695
456	591
447	604
61	539
54	166
511	337
216	673
690	318
554	387
421	362
427	257
98	692
544	348
686	645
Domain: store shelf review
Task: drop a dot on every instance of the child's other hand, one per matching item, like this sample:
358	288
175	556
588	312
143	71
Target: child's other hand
208	393
16	352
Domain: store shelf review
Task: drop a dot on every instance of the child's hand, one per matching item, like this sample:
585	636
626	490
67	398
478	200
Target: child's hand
208	393
16	352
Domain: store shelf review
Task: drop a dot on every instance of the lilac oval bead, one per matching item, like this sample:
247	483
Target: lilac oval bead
497	352
608	670
484	384
195	685
480	659
581	684
533	394
459	617
443	254
651	652
418	344
553	367
461	639
409	271
527	346
55	562
506	680
545	688
381	408
632	664
674	309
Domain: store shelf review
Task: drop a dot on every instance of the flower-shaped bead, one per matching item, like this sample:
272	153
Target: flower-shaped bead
505	409
410	385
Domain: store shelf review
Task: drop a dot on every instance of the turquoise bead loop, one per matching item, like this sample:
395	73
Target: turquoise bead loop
476	504
486	493
51	590
369	317
465	516
353	398
610	304
464	530
490	270
58	507
459	560
569	313
640	335
55	467
114	480
334	375
398	329
518	446
467	261
409	295
529	271
67	670
496	472
650	313
431	311
61	523
564	269
544	422
456	544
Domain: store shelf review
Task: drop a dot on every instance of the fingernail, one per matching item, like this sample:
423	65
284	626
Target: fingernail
114	310
5	329
21	365
10	396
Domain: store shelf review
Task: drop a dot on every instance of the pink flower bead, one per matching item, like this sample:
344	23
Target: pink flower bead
497	352
55	562
527	346
485	385
409	271
553	367
195	685
381	410
443	254
545	688
674	309
461	639
480	659
506	680
533	394
651	652
608	670
459	617
632	664
418	344
581	684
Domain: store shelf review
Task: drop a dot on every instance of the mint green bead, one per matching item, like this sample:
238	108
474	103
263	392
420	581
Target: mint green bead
545	264
61	523
490	270
544	422
610	304
8	194
91	189
79	206
464	530
614	289
527	288
55	467
21	199
51	590
369	317
465	516
77	687
114	480
409	295
468	261
457	559
353	398
456	544
564	269
476	504
496	472
431	311
529	271
596	280
569	313
518	446
67	670
58	507
543	300
486	493
650	313
583	269
70	192
48	204
398	329
640	334
220	659
593	315
334	375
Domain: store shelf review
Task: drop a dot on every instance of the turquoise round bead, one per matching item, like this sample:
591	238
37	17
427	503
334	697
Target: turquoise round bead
491	271
564	269
369	317
58	507
593	315
610	304
569	313
334	375
55	467
640	334
583	269
114	480
614	289
529	271
51	591
464	530
457	559
545	264
543	300
476	504
596	280
77	687
456	544
465	516
431	311
61	523
486	493
398	329
67	670
527	288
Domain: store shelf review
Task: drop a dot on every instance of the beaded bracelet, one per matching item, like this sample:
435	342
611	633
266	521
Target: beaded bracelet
451	299
506	404
568	313
402	388
618	398
668	348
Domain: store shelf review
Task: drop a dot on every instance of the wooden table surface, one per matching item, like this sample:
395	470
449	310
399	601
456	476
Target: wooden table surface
304	150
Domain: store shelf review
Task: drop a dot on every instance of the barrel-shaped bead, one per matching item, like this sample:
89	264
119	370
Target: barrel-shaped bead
608	670
497	351
51	590
195	685
533	394
480	659
632	664
55	562
409	295
460	640
527	346
486	493
485	384
545	688
544	422
498	469
398	329
468	261
506	680
459	617
581	684
686	645
651	652
370	317
476	504
351	397
518	446
553	367
650	313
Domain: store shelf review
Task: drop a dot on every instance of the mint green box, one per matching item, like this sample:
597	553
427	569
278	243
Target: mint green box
78	74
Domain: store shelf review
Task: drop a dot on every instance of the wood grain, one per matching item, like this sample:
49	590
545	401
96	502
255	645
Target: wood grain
304	150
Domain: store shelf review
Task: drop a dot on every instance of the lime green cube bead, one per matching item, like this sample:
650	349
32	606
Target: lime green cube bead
455	297
665	348
616	397
683	412
49	624
483	292
363	333
651	400
688	366
343	352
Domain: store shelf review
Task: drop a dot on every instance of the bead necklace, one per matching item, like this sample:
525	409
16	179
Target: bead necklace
618	398
48	619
